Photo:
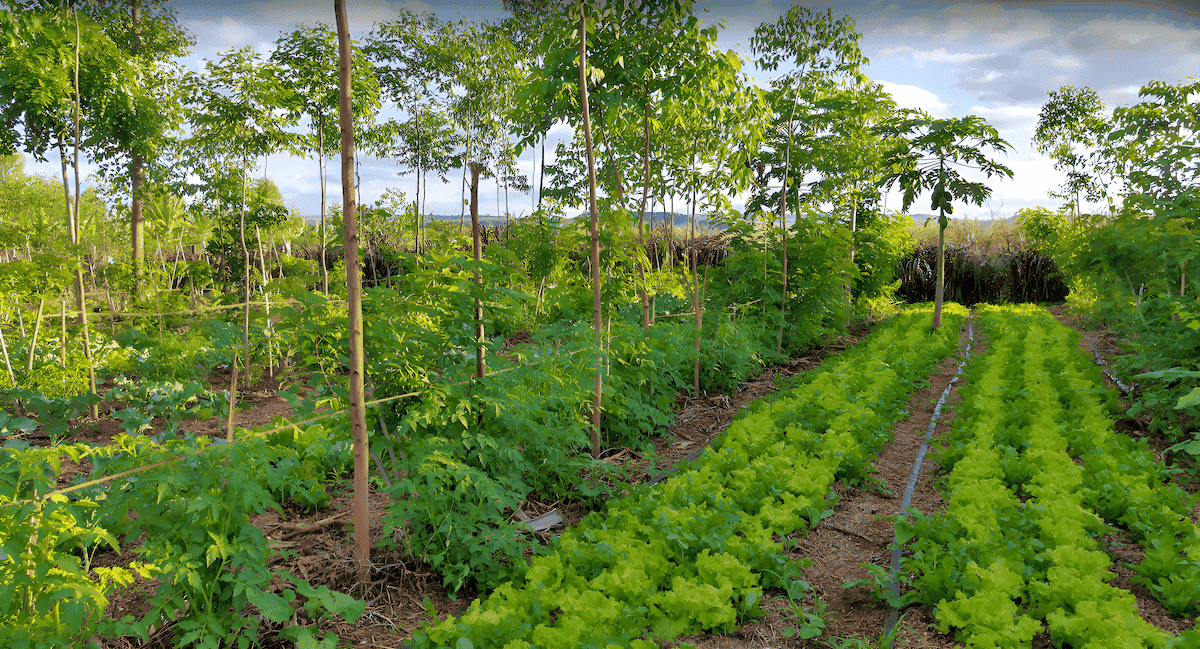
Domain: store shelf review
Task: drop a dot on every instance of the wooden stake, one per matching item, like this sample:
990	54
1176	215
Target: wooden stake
12	378
480	362
63	316
20	318
232	398
87	354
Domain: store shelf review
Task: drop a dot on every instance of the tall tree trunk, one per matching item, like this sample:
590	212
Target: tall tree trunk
79	302
136	172
66	185
597	315
358	411
642	218
853	230
321	227
245	279
783	298
693	263
480	363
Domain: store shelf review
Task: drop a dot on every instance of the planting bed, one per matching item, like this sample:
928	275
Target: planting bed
1037	477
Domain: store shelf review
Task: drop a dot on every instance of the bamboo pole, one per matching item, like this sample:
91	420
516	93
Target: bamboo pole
87	354
267	299
480	362
12	378
20	318
232	398
112	307
158	306
33	343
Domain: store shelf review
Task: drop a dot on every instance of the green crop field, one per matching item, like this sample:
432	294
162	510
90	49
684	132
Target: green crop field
691	399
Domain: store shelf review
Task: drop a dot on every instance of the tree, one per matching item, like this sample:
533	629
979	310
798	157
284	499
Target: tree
927	158
44	85
135	138
358	411
1153	146
1071	128
238	113
406	53
308	59
824	53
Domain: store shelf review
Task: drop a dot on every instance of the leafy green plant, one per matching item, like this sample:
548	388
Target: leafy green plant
809	624
1037	473
880	582
54	414
147	400
49	594
12	425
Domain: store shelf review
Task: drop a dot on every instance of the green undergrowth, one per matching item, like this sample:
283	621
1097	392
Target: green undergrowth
696	551
192	508
467	454
1038	474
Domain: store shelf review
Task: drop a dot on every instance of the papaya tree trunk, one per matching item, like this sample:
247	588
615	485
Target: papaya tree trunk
939	290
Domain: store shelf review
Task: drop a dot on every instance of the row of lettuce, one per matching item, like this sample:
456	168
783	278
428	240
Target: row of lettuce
1037	474
696	551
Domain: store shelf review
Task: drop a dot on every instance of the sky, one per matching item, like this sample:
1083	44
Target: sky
996	60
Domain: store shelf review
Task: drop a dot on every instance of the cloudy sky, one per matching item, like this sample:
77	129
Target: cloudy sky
996	60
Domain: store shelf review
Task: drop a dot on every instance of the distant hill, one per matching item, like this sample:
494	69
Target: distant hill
919	219
680	220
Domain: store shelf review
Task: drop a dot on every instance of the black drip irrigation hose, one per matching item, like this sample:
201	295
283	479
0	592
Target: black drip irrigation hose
1104	368
893	616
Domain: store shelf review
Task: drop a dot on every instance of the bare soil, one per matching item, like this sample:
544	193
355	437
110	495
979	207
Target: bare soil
406	594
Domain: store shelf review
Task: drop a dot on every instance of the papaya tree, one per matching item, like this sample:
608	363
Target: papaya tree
928	157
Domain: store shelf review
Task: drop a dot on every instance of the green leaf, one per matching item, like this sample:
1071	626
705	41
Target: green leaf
273	607
1190	399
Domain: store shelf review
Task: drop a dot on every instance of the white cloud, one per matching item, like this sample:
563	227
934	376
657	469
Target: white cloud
1009	118
1067	62
913	97
221	34
940	55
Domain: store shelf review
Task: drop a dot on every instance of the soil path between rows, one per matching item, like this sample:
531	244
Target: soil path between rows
857	534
